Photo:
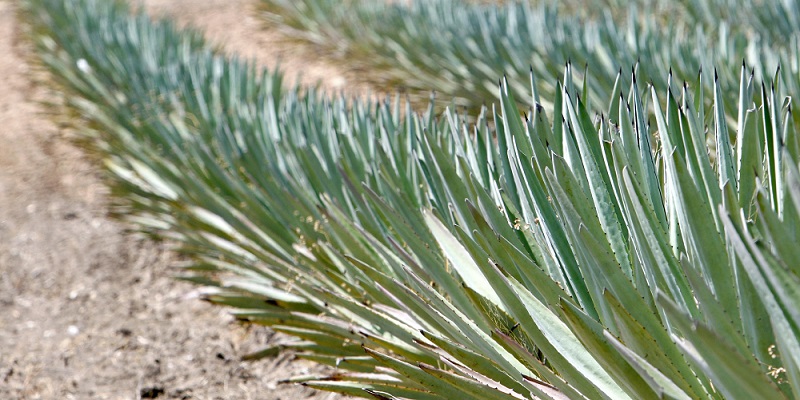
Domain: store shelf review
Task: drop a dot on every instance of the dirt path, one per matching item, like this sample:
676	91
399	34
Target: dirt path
86	311
235	26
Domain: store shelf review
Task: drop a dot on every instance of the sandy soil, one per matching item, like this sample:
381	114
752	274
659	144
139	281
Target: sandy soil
87	311
235	26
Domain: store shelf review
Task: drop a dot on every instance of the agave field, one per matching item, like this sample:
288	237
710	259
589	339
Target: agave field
608	209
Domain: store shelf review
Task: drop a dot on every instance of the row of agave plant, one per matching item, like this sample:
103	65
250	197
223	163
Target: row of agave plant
553	256
468	45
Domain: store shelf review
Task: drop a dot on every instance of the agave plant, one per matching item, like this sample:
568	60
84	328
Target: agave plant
460	49
773	21
430	258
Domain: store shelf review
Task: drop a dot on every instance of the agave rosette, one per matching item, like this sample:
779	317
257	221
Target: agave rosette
425	257
459	49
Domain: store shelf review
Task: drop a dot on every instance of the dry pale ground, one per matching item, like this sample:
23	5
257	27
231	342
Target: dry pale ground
87	311
235	25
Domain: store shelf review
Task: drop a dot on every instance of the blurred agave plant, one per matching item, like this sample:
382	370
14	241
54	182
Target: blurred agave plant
427	258
459	49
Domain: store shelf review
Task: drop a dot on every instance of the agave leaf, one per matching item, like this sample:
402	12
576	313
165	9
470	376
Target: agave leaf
492	287
475	362
596	281
362	364
535	364
780	235
749	168
466	331
637	342
447	388
366	390
555	234
661	385
483	388
563	349
713	313
724	149
591	334
461	260
772	156
543	390
599	182
701	237
732	373
651	245
536	279
696	154
512	127
765	275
